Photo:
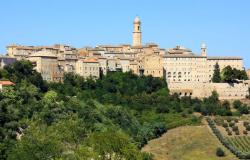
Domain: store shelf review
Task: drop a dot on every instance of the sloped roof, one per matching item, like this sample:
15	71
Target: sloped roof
6	83
90	60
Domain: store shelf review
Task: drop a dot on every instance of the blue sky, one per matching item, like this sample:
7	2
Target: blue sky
224	25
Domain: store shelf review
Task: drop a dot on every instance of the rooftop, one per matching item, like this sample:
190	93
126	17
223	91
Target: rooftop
90	60
6	83
43	54
225	58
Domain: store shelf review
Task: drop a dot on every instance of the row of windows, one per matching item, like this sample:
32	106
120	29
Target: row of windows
186	94
152	72
169	73
180	80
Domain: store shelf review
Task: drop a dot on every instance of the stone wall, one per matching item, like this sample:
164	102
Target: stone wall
201	90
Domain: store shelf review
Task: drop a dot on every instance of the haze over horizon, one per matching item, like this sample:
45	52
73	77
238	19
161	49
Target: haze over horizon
222	25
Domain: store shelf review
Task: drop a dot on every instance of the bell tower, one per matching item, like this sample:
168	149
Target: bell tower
137	32
203	50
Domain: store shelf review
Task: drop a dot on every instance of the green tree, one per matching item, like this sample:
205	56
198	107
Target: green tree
114	145
216	76
50	97
23	70
237	104
230	74
3	74
220	152
38	143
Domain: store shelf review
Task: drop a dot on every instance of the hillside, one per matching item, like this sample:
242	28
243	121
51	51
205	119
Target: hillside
186	143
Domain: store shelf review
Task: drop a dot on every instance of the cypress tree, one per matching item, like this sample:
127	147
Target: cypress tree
216	76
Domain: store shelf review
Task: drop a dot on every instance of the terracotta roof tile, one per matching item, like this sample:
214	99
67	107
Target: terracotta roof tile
6	83
90	60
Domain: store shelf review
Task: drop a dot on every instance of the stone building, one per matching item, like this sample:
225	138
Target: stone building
46	63
88	67
190	74
153	65
248	73
23	52
202	90
182	65
4	60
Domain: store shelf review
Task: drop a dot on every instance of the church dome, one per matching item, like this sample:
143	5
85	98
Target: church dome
137	20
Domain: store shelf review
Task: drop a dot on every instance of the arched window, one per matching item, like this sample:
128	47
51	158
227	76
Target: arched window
138	28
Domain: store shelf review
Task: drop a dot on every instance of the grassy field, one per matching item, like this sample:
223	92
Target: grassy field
187	143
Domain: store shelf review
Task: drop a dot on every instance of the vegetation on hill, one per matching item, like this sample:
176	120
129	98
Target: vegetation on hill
84	118
238	144
187	143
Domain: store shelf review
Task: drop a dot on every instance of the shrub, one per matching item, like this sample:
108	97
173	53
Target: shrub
229	119
225	125
220	152
231	124
245	123
229	133
245	132
248	127
162	109
235	128
219	121
244	109
236	120
237	132
237	104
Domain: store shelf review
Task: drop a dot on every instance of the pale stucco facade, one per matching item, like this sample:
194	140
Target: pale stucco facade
88	68
182	65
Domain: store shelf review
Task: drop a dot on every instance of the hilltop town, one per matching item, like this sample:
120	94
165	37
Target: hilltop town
187	73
